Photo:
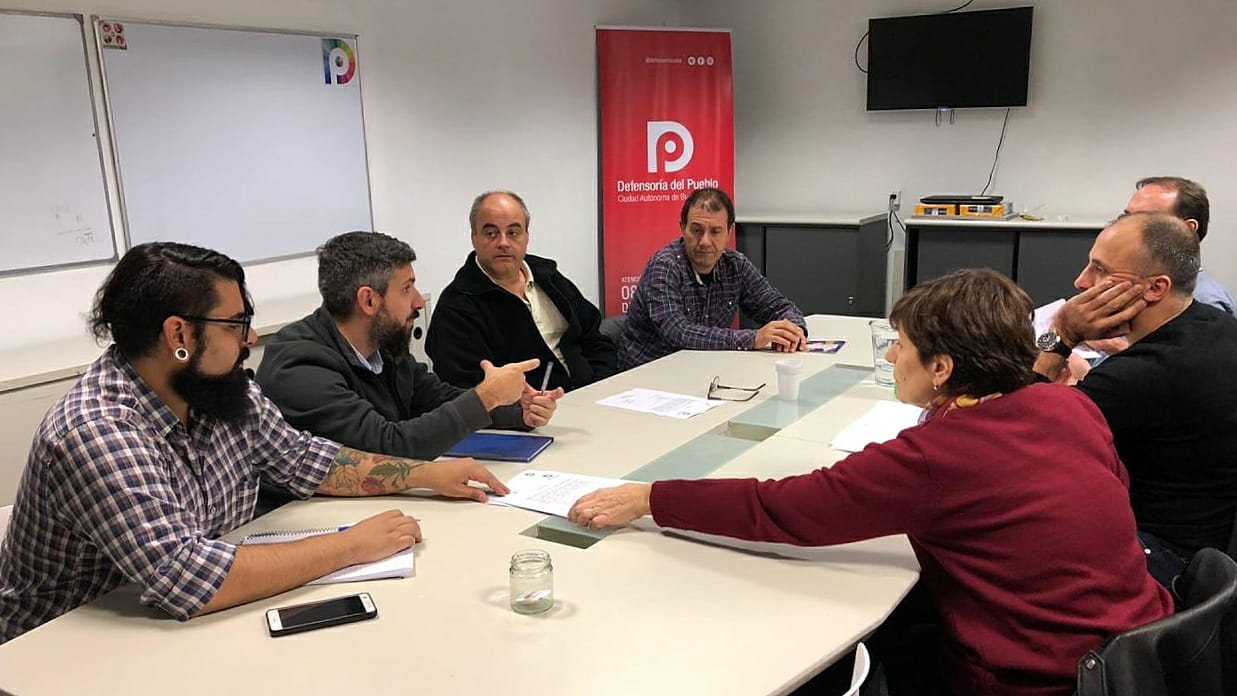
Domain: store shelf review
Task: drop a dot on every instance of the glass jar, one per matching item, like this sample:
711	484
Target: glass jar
532	582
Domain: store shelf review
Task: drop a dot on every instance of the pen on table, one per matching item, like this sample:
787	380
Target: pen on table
545	381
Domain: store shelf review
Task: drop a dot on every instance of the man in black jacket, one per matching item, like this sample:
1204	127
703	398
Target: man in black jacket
505	306
345	373
1169	399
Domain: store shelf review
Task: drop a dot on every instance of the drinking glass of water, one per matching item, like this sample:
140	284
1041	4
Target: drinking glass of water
532	582
883	336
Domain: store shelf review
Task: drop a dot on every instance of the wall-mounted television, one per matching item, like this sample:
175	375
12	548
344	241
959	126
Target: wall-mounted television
949	60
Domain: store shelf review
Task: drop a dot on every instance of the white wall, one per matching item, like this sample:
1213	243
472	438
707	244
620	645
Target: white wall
1120	89
459	97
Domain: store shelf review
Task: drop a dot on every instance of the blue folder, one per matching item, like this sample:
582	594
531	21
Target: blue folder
500	447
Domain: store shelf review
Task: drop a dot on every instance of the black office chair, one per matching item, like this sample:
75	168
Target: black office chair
1232	538
1228	636
612	327
1181	655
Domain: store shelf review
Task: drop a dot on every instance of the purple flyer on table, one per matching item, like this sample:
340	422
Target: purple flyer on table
825	345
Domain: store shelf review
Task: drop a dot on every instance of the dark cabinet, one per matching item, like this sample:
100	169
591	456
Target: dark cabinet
825	266
1043	258
941	250
1050	260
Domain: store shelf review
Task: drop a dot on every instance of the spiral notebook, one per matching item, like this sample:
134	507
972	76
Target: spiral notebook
398	565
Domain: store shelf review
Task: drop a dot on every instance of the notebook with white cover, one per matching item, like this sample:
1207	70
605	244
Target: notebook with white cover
398	565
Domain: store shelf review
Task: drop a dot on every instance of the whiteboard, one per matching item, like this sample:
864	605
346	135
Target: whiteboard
237	140
52	189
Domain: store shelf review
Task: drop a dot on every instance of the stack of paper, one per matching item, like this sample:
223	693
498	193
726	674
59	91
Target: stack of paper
660	403
551	492
881	423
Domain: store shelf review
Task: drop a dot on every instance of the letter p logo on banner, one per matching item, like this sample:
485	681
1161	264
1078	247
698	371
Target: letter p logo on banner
338	61
670	146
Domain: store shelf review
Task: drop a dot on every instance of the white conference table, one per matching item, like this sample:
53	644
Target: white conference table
637	612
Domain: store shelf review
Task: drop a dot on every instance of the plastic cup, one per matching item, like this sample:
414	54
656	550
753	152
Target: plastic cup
788	371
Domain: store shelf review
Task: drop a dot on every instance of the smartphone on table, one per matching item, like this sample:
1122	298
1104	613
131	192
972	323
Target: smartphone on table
328	612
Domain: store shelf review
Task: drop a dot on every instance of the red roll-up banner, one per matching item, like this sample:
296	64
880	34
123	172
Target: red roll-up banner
667	128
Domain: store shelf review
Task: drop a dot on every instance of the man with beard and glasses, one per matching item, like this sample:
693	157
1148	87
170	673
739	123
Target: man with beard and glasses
344	372
158	450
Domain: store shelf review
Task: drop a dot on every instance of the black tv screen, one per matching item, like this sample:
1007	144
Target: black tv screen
951	60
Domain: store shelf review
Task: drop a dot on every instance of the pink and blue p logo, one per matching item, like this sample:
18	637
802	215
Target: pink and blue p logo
338	61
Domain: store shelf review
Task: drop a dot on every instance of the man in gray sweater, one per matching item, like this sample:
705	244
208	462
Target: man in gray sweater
345	373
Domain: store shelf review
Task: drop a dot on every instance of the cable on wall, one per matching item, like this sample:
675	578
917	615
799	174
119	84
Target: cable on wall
959	7
865	35
997	156
891	218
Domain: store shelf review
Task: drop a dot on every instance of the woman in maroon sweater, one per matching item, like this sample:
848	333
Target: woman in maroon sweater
1011	494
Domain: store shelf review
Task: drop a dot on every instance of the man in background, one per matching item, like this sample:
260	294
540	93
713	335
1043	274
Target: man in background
506	305
692	288
1187	200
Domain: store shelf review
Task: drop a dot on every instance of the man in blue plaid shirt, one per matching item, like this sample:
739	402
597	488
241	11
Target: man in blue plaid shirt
692	288
158	449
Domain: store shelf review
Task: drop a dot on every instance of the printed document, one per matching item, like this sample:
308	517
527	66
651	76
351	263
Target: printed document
551	492
881	423
661	403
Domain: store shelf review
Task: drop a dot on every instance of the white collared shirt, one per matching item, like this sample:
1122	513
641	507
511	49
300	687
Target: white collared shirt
550	322
374	364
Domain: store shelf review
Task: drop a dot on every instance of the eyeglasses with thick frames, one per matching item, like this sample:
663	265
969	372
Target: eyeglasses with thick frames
244	322
722	392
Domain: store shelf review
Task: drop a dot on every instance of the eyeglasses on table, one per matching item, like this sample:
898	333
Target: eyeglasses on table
725	392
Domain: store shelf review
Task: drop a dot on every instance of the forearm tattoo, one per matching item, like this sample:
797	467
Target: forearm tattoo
357	473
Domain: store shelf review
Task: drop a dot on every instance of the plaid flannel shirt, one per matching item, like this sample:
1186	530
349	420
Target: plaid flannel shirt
117	490
673	310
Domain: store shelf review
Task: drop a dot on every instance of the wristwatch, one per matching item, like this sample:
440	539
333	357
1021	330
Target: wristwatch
1050	342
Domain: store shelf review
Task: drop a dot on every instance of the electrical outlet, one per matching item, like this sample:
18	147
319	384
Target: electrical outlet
895	200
